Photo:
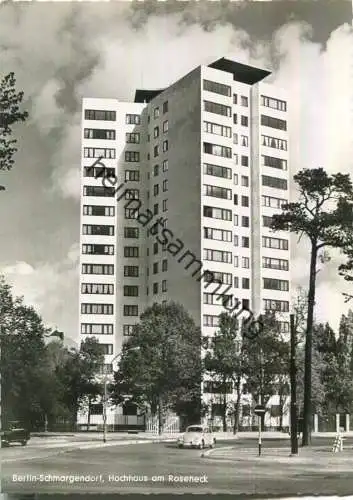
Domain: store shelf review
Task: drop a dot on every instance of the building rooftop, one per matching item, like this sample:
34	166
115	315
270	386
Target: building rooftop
142	95
241	72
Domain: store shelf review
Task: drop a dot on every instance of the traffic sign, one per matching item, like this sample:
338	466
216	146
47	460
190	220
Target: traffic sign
259	410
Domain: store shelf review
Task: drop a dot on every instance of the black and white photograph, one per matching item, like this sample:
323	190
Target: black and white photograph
176	248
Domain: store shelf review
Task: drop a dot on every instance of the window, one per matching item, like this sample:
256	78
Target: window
98	133
235	260
236	240
283	326
128	330
245	242
132	175
131	232
235	220
211	233
131	291
164	285
235	118
131	271
276	305
98	191
244	140
164	265
217	213
156	132
95	114
132	138
235	99
245	304
235	199
245	283
106	153
165	185
98	269
156	112
155	248
236	282
245	180
244	120
98	172
96	329
94	249
165	146
209	320
217	277
235	179
235	138
155	170
217	129
270	102
244	101
217	88
98	230
269	201
165	205
214	299
133	120
98	210
132	156
155	288
274	182
245	221
266	221
165	126
217	171
245	201
130	310
131	213
165	165
245	262
218	109
270	161
165	107
235	159
107	348
217	192
155	209
97	288
132	194
271	263
276	243
217	150
155	190
274	284
244	161
97	309
217	256
156	151
274	142
131	252
269	121
155	268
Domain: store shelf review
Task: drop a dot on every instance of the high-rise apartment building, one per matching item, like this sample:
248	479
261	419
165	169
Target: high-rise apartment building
194	173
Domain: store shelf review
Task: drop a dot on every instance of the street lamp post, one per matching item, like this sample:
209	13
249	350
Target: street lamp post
105	395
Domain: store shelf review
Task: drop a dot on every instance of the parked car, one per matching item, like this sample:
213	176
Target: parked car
197	436
15	433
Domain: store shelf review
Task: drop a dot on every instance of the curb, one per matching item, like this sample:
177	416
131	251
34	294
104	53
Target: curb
207	453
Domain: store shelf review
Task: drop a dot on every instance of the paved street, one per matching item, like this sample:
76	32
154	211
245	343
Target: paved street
157	467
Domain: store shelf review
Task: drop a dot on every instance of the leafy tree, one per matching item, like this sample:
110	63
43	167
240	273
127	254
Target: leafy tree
266	362
78	375
10	114
165	373
323	213
23	355
224	364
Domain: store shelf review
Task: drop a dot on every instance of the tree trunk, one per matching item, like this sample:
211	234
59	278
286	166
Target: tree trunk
237	407
224	413
308	347
160	415
89	413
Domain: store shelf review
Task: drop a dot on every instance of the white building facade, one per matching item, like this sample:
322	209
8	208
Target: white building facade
207	158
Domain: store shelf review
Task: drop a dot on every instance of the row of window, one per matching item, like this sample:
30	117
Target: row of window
276	243
99	133
270	201
107	153
211	233
270	121
97	328
217	150
217	256
270	161
217	88
272	263
165	128
131	271
217	171
274	182
273	103
98	210
97	288
216	129
95	249
274	142
275	284
217	192
214	299
97	172
96	114
97	229
156	111
107	269
102	191
97	309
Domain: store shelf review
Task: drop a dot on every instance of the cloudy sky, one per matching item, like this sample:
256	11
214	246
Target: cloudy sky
63	52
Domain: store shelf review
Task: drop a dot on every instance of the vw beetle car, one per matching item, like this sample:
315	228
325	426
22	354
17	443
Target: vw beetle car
197	436
14	434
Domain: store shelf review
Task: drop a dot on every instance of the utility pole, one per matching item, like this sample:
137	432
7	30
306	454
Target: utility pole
293	389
